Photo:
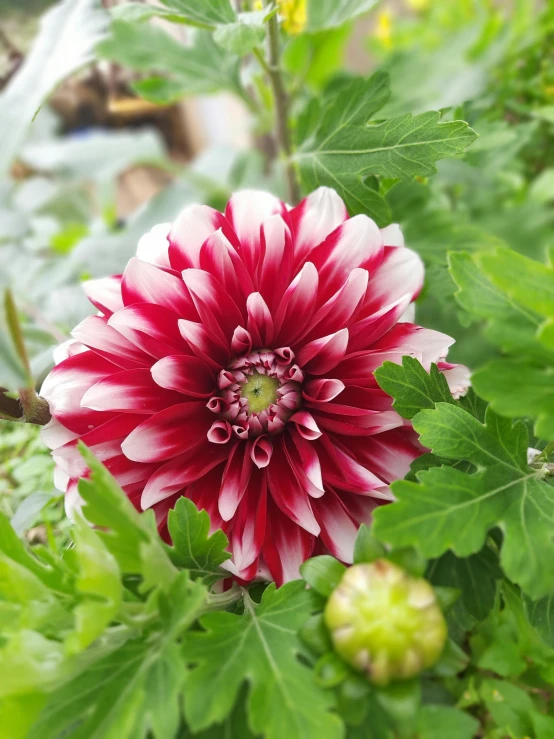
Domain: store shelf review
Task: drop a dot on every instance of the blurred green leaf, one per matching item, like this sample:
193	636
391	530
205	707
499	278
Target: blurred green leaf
239	38
208	12
323	573
329	13
439	722
68	34
203	67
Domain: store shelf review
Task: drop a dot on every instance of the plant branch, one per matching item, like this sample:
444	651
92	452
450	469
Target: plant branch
281	105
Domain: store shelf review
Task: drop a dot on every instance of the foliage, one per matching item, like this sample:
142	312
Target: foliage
106	631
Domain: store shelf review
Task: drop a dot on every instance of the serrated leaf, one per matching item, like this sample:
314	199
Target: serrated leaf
133	690
260	646
412	387
99	583
330	13
68	34
450	509
132	538
344	149
193	547
203	67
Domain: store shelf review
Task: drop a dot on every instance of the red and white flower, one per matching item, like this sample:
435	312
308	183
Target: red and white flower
232	363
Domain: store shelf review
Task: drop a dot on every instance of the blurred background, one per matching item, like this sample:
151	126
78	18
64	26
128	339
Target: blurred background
155	115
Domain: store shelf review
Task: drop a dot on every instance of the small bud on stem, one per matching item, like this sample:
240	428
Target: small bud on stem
385	623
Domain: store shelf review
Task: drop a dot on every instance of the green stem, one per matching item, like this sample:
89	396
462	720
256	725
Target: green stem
220	601
281	105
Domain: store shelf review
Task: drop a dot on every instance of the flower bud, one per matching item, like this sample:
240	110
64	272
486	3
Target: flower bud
385	623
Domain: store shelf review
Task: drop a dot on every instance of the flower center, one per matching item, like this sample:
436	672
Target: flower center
260	391
257	394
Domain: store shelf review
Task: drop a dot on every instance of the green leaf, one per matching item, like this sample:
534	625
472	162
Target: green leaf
529	283
412	387
260	646
519	388
439	722
323	573
450	509
345	149
330	13
193	548
204	12
366	546
203	67
540	614
134	688
239	38
99	582
68	34
475	577
132	538
509	326
509	706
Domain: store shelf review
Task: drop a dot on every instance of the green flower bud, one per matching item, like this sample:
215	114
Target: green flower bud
385	623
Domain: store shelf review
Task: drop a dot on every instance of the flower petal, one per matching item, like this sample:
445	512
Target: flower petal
314	219
181	471
287	493
153	246
144	283
190	230
168	433
275	269
234	481
217	310
204	344
286	546
185	374
97	334
297	305
130	390
249	524
322	355
152	328
259	323
105	294
338	528
355	243
246	211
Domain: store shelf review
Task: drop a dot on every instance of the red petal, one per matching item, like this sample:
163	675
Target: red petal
95	333
246	211
217	311
180	472
144	283
190	230
234	481
297	306
249	524
260	323
131	390
168	433
105	294
152	328
314	219
184	374
338	528
286	546
287	493
322	355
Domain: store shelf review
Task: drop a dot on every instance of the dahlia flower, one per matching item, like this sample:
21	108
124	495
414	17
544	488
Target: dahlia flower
232	363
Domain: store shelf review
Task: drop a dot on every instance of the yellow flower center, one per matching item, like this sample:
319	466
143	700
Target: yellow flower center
260	391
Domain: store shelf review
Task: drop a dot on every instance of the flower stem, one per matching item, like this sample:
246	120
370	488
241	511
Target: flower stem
220	601
281	105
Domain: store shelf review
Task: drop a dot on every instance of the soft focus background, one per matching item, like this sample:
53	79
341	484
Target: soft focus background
160	120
